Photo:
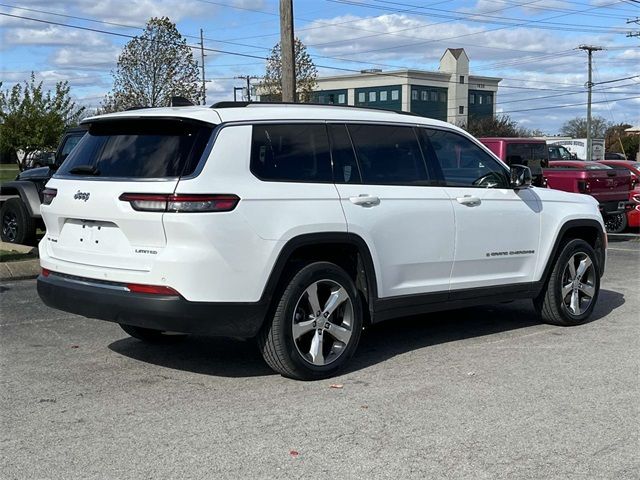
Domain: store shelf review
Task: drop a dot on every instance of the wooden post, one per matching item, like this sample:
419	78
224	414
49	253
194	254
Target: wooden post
287	51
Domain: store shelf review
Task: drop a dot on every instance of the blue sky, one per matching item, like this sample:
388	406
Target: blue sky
530	44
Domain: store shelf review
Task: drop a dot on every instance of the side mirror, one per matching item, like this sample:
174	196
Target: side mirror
520	177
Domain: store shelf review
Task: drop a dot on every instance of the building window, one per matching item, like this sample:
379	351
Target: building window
424	95
320	98
480	98
443	97
372	96
341	98
414	94
461	110
472	99
395	95
383	96
462	79
361	97
434	96
332	98
489	99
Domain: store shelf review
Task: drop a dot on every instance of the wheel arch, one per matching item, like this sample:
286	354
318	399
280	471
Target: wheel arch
347	250
589	230
27	192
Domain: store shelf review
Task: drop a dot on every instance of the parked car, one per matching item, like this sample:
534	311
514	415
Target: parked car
299	225
20	214
610	187
633	215
614	156
530	152
558	152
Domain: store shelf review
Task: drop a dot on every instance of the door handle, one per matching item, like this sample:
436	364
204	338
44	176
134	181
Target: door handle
469	201
365	200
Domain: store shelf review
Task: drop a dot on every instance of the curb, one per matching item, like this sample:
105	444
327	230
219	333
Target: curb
19	270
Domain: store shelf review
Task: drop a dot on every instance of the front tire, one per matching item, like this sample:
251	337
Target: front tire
316	324
573	287
149	335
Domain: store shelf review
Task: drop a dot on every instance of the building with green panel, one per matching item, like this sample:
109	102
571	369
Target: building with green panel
450	94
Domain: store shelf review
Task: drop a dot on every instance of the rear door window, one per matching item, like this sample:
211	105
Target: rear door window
291	153
139	148
345	167
389	155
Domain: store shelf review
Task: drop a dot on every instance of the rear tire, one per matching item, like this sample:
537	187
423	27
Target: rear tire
149	335
16	223
616	223
572	290
316	324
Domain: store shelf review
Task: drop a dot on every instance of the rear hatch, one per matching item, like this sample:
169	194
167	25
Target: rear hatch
88	219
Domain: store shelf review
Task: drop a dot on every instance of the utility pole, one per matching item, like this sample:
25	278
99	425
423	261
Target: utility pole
589	49
287	51
204	85
633	34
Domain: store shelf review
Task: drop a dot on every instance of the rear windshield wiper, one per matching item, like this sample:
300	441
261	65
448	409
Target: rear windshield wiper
85	170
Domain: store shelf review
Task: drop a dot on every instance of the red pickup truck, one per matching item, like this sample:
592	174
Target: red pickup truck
610	186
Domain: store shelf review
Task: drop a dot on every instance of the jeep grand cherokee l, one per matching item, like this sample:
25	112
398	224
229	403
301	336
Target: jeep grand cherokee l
299	224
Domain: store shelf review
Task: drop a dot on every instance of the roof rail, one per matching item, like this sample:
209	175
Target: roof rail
232	104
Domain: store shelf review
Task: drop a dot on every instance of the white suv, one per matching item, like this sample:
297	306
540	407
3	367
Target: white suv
301	224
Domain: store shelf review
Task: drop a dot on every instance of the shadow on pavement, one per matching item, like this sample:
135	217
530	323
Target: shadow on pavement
227	357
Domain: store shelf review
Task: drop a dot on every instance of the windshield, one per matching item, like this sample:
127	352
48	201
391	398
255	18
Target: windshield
557	152
140	148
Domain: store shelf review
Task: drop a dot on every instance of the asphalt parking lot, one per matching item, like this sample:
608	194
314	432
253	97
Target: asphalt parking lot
474	393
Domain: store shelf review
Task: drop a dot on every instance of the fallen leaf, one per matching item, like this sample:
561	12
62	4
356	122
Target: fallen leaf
75	346
471	374
294	453
364	407
336	385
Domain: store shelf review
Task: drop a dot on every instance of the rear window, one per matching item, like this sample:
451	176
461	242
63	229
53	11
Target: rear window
139	149
527	151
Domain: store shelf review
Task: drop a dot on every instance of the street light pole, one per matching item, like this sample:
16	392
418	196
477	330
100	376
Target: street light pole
589	49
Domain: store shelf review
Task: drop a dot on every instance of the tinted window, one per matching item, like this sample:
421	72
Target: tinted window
462	162
345	168
292	153
388	154
140	148
69	144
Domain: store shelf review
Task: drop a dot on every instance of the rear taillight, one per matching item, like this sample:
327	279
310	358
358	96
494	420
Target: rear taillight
151	289
48	194
151	202
636	198
45	272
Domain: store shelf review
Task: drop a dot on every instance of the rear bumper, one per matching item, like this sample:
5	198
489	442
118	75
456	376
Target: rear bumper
108	301
613	208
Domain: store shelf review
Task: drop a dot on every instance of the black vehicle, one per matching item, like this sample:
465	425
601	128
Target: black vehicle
20	214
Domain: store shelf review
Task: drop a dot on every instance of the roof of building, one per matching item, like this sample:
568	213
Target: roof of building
402	74
456	52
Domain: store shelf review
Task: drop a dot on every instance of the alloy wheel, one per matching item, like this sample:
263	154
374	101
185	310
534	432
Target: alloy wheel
10	226
323	322
578	284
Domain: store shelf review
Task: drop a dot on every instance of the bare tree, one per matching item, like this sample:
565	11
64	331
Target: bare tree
152	68
306	74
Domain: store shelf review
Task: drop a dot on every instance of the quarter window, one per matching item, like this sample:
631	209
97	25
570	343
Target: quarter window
462	162
388	155
291	153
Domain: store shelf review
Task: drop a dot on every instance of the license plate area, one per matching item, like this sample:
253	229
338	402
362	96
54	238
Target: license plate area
92	235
